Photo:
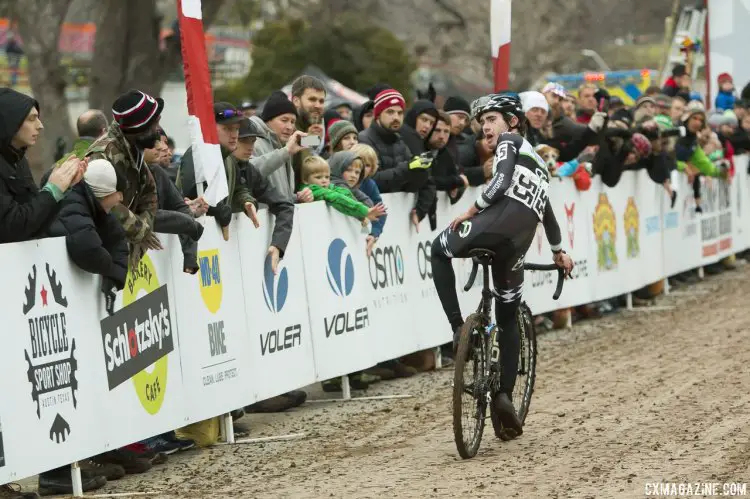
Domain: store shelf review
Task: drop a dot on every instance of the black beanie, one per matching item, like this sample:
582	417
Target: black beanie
457	105
276	105
373	91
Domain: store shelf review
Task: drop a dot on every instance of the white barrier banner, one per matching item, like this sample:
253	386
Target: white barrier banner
140	352
278	322
53	385
681	237
643	223
716	220
740	205
335	263
214	344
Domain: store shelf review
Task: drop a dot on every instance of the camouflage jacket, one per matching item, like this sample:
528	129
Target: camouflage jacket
139	203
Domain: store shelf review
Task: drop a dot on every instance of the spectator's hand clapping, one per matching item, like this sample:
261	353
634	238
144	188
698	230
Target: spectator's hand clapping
293	144
305	195
252	214
67	174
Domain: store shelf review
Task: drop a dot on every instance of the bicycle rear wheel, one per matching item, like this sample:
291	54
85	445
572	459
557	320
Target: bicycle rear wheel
470	387
524	387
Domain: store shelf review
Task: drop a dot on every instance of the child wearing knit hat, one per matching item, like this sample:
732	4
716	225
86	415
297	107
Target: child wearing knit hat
343	136
101	178
725	97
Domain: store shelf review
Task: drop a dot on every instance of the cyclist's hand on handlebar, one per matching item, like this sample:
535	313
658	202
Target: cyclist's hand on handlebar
564	261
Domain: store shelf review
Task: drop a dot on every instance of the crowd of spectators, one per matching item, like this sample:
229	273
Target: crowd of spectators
122	182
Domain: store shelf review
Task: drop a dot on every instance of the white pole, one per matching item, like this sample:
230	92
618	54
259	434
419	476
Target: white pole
228	428
346	391
701	274
75	473
438	358
666	286
629	301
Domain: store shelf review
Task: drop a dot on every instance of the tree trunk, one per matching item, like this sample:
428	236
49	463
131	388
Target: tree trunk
40	23
127	52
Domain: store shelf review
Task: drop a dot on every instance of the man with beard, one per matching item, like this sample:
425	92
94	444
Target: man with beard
463	140
308	97
135	128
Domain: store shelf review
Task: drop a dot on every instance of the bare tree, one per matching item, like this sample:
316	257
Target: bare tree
40	23
127	51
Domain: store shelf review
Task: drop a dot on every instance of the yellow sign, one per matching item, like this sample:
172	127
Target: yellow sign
605	231
210	279
150	387
632	224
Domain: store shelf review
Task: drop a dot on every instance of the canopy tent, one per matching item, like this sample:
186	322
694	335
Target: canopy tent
335	91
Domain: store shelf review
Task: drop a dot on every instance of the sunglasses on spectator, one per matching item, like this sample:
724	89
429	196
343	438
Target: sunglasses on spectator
229	113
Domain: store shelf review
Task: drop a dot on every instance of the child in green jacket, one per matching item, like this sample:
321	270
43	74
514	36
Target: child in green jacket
316	175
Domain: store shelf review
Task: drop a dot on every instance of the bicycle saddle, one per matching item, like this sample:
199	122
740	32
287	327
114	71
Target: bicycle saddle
482	255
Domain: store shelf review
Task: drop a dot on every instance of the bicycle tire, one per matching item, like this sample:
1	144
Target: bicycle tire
468	344
526	376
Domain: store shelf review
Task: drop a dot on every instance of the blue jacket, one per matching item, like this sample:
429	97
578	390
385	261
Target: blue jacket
725	100
370	188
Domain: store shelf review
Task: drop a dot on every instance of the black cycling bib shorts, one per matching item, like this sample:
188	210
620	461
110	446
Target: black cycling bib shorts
512	205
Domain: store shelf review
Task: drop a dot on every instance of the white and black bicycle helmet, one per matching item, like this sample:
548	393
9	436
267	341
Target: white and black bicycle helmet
501	103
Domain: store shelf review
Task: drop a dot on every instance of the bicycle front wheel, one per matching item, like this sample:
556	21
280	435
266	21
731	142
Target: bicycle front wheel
526	376
470	387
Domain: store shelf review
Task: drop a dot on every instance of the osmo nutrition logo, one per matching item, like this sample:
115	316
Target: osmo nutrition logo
386	266
51	356
275	291
340	275
340	269
139	335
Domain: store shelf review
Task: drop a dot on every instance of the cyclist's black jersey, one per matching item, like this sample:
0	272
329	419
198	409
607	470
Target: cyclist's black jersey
520	174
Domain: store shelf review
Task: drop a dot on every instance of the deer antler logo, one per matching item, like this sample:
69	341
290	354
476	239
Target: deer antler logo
30	292
571	225
56	287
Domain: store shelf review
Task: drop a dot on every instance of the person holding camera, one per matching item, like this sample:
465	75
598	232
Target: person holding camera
279	143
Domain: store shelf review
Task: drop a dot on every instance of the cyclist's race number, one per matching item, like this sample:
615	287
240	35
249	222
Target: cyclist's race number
529	188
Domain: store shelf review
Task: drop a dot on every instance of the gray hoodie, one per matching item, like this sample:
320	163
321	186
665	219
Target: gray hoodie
339	162
272	160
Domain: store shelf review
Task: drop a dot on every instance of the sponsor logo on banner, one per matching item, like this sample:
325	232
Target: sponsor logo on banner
569	212
688	215
386	269
140	335
424	260
275	291
340	269
605	230
631	222
51	357
716	221
212	293
340	276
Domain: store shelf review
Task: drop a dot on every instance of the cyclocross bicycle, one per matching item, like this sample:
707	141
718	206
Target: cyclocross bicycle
474	372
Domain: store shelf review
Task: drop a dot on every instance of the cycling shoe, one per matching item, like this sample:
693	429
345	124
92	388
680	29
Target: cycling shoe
506	414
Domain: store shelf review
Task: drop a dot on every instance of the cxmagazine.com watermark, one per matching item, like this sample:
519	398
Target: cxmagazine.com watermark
700	489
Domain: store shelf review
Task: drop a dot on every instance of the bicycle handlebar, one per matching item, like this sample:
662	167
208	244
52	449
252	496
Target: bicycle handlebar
550	266
526	266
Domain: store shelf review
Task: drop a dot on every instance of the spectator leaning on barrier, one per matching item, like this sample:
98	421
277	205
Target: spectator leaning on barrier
279	143
174	215
586	103
399	169
239	199
363	115
342	136
445	172
462	143
262	190
370	160
26	212
94	238
136	127
418	125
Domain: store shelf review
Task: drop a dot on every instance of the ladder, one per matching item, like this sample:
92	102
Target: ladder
690	28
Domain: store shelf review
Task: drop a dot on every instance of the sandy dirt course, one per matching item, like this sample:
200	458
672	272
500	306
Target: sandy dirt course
634	398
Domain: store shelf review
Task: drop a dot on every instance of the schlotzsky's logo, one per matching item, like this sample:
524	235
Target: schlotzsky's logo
52	363
139	335
631	222
340	275
275	291
605	230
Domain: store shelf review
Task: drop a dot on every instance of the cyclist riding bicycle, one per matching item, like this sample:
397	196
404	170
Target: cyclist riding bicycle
503	219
